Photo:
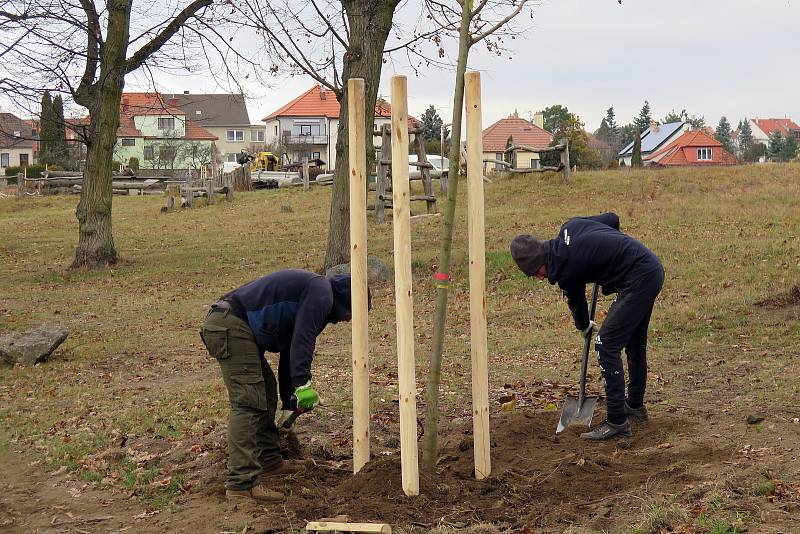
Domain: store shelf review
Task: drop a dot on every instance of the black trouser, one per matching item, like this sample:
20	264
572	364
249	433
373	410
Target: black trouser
626	328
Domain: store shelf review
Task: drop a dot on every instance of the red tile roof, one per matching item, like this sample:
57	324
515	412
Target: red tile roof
782	125
523	132
138	104
316	102
683	151
195	131
321	102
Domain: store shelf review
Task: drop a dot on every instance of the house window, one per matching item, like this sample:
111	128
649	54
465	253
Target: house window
166	123
235	135
305	129
703	154
126	141
23	160
276	130
534	163
230	158
499	157
148	153
315	155
4	160
166	153
257	136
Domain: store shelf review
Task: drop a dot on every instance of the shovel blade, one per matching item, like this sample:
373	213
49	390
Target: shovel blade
574	413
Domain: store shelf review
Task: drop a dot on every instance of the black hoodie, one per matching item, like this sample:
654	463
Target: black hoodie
593	250
288	309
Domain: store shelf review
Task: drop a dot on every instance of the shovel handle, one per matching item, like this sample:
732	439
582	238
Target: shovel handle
586	344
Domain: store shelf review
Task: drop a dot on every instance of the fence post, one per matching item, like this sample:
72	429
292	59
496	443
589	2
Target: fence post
20	184
305	173
565	160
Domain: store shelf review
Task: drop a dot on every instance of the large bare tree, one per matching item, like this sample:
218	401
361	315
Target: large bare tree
84	49
331	42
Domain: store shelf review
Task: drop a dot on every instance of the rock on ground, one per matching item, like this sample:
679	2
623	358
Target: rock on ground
377	271
32	347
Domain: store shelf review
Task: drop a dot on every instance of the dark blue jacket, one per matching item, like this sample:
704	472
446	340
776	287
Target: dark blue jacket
287	310
593	250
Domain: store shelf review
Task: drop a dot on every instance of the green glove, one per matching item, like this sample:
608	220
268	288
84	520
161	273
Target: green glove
306	396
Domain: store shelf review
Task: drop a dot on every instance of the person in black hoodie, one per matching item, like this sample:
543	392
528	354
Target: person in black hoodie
593	250
282	312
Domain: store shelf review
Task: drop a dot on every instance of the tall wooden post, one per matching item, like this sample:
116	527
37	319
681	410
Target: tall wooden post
358	268
404	304
477	277
305	173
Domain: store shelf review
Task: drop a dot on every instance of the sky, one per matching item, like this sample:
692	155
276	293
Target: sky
736	58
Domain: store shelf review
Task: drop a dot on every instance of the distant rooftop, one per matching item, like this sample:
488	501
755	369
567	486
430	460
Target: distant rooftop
654	137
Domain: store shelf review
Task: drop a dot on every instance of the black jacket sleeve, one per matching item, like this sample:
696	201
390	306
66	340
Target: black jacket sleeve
609	219
310	320
576	300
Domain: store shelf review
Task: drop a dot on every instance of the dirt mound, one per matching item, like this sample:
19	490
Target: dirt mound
784	300
550	478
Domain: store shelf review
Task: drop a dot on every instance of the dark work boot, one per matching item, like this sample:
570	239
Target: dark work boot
637	414
608	430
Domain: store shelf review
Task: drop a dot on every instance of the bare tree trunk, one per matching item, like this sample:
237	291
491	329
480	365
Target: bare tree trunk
430	445
369	23
96	242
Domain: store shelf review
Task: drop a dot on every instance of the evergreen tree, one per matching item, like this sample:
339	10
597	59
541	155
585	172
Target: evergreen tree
636	159
46	128
789	148
626	135
746	140
642	122
724	134
674	117
696	122
611	119
432	124
59	149
775	147
603	132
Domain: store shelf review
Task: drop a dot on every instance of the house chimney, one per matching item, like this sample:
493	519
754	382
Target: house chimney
538	120
186	92
322	93
653	126
515	115
124	103
173	102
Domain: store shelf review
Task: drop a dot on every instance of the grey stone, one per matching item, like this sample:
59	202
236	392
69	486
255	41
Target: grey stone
32	347
377	271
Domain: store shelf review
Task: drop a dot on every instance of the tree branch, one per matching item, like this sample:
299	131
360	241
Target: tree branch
165	35
499	24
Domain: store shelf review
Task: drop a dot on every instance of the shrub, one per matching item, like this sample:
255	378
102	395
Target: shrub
34	171
133	163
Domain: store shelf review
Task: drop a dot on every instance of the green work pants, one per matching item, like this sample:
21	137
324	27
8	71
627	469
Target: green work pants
253	395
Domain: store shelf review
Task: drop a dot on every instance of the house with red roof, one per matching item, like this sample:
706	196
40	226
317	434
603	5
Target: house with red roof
523	132
154	129
18	145
763	128
307	126
695	147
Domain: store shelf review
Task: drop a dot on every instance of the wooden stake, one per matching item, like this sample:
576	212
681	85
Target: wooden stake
477	277
358	268
404	304
305	171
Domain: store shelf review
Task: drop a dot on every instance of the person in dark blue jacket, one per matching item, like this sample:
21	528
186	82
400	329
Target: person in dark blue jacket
593	250
282	312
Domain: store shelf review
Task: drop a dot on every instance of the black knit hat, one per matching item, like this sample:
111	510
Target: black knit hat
529	252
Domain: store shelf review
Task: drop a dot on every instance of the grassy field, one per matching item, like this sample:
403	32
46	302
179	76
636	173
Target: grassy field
133	384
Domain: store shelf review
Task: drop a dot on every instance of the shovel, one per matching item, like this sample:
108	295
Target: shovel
579	411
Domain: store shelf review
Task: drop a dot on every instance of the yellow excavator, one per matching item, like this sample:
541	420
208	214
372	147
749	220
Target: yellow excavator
265	161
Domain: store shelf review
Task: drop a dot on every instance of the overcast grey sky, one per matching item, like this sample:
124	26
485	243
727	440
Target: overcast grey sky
713	57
